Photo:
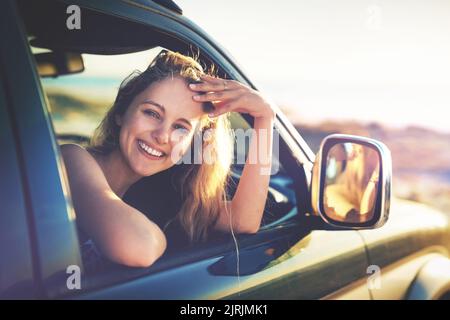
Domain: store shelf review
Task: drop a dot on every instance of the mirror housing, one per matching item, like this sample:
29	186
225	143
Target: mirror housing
54	64
351	182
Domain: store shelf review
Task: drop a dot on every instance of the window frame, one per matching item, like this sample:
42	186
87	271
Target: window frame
51	225
15	216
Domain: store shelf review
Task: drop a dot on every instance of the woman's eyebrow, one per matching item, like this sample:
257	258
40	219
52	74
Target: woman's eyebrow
185	121
161	107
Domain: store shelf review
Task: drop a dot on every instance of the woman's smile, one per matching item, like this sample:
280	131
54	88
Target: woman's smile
150	152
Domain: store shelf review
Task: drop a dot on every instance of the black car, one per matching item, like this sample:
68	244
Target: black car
302	250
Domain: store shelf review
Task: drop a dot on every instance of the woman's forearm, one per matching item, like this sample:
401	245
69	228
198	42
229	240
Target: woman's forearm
126	236
249	200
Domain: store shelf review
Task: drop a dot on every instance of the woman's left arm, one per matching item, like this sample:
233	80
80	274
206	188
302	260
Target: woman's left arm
246	209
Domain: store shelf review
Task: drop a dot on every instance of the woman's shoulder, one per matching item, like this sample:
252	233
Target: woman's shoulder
72	150
82	166
75	153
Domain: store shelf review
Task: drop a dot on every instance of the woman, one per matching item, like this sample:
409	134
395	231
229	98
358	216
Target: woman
151	126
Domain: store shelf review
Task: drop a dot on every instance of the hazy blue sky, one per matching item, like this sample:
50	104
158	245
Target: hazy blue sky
370	60
379	60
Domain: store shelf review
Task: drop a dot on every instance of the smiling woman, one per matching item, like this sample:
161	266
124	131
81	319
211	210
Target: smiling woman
156	118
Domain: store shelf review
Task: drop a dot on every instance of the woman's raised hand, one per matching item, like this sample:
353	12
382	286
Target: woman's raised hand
232	96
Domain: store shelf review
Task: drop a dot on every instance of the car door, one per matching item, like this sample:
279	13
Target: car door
289	259
14	280
319	265
50	231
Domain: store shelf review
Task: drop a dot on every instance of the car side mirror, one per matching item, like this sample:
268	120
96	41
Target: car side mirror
351	183
53	64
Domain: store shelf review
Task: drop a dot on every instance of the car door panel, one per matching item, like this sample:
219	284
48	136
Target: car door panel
319	264
16	282
314	266
49	206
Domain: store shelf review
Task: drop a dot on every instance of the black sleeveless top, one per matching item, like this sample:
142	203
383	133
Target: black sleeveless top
159	198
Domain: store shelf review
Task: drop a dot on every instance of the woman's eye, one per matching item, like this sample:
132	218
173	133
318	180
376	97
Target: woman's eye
181	128
152	113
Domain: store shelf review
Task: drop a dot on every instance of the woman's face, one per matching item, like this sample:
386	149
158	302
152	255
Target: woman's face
158	126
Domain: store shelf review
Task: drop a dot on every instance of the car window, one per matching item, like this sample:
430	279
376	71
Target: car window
78	102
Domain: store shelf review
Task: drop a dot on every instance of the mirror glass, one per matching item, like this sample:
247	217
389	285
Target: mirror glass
351	182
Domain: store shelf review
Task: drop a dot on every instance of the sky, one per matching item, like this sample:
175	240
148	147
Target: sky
385	61
364	60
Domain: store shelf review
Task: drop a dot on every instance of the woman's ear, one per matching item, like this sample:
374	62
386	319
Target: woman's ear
118	120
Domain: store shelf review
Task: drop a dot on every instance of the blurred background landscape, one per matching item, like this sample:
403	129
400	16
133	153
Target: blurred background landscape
421	156
379	69
376	68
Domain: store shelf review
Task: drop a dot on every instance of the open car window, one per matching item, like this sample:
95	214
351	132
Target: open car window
78	102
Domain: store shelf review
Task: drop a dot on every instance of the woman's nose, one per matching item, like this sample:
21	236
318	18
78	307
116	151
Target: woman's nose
161	135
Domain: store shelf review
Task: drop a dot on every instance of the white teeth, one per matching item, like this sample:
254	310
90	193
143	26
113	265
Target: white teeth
149	150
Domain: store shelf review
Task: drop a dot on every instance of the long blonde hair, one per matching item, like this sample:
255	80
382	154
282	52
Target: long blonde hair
202	186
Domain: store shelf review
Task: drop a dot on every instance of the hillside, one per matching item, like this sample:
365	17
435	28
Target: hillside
420	157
